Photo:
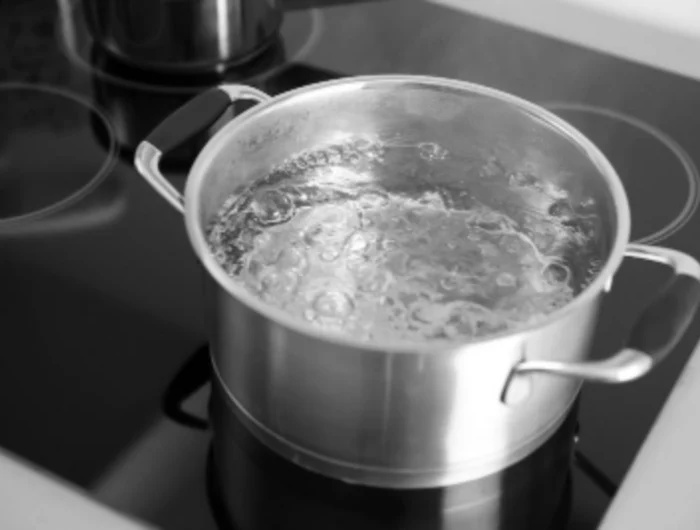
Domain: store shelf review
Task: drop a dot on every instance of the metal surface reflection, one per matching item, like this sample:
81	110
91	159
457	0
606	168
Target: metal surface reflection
252	488
183	36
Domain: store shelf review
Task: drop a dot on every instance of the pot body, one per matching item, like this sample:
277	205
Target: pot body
183	35
398	415
393	420
254	488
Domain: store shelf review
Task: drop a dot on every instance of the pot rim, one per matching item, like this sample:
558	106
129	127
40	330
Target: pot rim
218	142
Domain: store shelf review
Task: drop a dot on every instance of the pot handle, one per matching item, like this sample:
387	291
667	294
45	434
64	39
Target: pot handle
194	117
655	333
190	378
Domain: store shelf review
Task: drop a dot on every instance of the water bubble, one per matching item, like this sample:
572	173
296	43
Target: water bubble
522	179
376	154
266	249
544	241
476	319
424	312
366	221
397	263
316	159
331	228
272	207
431	199
262	239
561	209
387	244
377	281
334	304
489	225
302	163
334	155
450	282
587	203
409	217
330	253
363	144
464	267
489	250
398	312
556	273
419	264
594	267
515	245
431	151
492	168
361	242
423	240
473	236
372	200
451	331
469	289
349	155
506	279
320	158
292	258
255	267
275	285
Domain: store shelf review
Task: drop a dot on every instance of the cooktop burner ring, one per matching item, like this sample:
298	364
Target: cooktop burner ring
77	45
105	157
578	114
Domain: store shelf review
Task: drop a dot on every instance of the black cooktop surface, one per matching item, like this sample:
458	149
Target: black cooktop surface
100	291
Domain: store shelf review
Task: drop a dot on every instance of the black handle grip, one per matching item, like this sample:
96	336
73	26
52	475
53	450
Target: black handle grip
196	116
192	376
662	324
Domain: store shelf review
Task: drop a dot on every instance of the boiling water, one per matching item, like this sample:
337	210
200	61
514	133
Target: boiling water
381	241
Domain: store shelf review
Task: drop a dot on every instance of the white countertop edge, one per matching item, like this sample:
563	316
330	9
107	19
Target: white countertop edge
664	34
662	488
32	499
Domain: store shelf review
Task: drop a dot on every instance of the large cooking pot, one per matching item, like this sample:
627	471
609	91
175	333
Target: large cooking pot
183	35
396	414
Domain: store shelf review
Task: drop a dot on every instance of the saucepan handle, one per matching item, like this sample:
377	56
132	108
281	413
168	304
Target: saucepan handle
196	116
190	378
655	333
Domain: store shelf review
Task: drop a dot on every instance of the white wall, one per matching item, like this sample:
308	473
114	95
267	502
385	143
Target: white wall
660	33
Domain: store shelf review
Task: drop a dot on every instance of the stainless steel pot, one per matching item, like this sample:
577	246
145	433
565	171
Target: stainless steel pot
270	492
183	35
399	414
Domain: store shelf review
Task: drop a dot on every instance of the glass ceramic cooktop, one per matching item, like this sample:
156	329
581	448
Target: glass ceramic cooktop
100	291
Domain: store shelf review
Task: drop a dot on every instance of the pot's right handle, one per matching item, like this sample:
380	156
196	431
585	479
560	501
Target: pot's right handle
195	116
655	333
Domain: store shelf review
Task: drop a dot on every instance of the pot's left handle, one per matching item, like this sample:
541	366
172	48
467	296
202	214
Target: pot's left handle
194	117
